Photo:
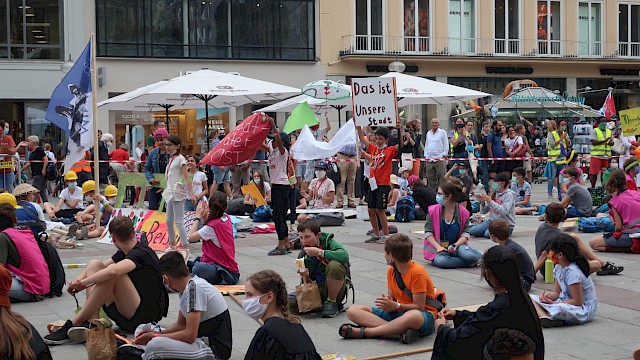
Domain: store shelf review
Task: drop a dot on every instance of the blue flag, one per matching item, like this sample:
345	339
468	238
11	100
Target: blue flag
70	108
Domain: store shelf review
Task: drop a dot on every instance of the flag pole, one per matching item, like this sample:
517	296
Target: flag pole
96	141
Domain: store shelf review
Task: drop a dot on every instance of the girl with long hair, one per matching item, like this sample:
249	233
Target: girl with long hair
178	190
510	309
573	300
266	300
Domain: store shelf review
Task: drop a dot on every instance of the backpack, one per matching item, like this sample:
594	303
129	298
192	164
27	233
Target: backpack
51	171
593	224
56	270
440	301
405	209
330	219
333	173
263	213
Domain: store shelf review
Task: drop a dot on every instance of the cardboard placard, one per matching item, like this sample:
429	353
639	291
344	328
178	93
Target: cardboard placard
252	189
375	101
630	121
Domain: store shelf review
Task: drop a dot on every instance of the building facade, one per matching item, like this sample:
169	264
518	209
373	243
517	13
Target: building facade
566	45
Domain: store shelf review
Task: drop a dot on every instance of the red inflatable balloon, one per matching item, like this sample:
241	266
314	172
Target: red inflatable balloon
241	143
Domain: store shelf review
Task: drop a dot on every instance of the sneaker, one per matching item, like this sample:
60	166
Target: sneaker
130	351
373	239
330	309
59	336
547	322
410	336
73	228
277	251
382	239
610	269
78	334
84	232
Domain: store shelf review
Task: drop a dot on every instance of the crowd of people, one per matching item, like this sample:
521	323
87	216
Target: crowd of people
449	200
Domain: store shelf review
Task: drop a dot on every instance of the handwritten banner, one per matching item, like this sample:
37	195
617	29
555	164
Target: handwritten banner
375	101
151	222
630	121
241	143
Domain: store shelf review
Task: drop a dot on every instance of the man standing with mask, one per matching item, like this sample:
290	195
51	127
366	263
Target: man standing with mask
436	147
600	150
495	148
7	146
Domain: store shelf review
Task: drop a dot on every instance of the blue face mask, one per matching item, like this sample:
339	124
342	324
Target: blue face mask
6	131
462	172
495	186
440	199
514	179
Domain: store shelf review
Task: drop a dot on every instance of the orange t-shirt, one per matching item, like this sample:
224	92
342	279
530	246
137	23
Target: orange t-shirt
382	163
415	279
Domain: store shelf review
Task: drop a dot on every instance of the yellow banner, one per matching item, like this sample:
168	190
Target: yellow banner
630	121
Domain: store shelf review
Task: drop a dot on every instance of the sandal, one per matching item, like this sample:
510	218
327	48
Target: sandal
348	332
277	251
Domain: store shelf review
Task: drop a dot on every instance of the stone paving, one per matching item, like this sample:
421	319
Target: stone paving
614	334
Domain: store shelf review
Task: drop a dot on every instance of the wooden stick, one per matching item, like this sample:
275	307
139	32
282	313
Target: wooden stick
239	302
398	354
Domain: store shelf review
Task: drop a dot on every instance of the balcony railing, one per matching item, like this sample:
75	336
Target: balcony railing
450	46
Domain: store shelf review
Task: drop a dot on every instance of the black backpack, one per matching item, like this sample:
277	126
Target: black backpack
56	270
405	209
333	173
51	171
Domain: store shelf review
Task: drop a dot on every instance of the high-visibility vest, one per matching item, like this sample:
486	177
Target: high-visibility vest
83	165
455	137
602	149
554	152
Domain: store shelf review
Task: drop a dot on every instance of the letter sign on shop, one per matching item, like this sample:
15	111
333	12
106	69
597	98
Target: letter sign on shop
375	101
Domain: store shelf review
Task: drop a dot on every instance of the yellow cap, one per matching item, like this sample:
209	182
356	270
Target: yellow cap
70	176
88	185
8	198
110	191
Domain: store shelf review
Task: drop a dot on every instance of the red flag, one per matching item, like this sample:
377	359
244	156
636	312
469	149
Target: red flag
241	143
608	108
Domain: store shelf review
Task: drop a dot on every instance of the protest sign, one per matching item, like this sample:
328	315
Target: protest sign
630	121
375	101
241	143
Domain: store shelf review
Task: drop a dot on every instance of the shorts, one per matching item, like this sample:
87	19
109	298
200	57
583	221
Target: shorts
221	176
301	169
310	171
67	213
624	241
596	165
377	199
497	166
528	164
139	317
427	325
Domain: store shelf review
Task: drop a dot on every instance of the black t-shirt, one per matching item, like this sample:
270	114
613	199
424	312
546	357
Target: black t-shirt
8	251
484	153
36	166
524	261
163	160
146	276
424	196
274	341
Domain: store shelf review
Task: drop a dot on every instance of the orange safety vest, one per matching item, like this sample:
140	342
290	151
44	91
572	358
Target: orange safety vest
82	165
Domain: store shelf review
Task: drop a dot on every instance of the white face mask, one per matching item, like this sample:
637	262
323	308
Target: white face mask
108	144
321	174
254	308
257	181
173	152
112	201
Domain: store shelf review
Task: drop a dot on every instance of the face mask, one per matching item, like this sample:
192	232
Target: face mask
459	126
495	186
89	198
462	172
613	165
173	152
567	180
254	308
72	185
381	147
602	126
636	169
257	181
440	199
221	137
563	128
394	133
320	174
514	179
112	201
6	131
108	144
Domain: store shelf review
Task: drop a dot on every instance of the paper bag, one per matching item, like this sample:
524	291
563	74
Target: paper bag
101	344
308	297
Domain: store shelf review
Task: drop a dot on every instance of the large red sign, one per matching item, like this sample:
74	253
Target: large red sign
241	143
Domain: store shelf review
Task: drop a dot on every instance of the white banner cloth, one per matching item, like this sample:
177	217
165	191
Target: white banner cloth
308	148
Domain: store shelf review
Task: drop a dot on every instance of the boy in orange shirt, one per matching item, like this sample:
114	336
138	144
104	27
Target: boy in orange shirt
397	313
381	158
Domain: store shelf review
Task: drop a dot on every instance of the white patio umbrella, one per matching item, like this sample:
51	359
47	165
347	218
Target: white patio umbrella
416	90
122	101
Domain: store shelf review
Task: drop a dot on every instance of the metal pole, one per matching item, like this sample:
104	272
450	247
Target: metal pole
206	119
96	144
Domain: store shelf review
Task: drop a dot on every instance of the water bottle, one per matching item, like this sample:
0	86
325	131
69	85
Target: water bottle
548	270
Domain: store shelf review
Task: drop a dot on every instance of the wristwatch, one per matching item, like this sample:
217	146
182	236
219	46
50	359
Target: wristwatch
397	306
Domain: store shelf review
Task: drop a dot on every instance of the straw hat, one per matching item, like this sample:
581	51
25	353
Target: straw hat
394	180
24	189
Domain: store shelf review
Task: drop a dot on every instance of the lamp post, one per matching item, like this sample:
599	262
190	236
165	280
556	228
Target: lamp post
67	65
589	90
397	66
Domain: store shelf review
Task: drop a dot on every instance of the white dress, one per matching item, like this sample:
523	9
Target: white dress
571	314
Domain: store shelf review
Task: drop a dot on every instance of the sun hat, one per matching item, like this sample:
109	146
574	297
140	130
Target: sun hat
394	179
24	189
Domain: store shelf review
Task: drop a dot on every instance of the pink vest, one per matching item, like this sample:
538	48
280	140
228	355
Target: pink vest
225	255
435	213
33	268
627	204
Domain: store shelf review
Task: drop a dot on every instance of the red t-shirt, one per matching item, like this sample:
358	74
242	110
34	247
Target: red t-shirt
6	164
119	155
631	183
381	163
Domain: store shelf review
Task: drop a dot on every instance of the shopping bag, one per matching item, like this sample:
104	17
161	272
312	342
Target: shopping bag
101	344
308	297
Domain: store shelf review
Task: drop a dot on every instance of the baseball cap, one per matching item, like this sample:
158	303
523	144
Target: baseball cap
322	165
5	287
160	132
402	169
413	179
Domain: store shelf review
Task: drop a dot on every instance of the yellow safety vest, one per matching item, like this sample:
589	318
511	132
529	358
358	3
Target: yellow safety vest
455	137
554	152
602	149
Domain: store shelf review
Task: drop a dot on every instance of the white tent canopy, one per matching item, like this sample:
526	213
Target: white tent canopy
122	101
416	90
291	103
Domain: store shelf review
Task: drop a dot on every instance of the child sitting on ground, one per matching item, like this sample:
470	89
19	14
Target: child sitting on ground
573	300
87	216
403	180
409	308
523	192
394	195
499	233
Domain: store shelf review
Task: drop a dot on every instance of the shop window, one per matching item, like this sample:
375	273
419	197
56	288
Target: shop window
416	25
30	29
369	25
629	30
507	26
282	30
590	28
36	124
462	26
549	25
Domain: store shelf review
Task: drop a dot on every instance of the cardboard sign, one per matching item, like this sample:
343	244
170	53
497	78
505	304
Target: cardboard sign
153	223
375	101
630	121
241	143
253	190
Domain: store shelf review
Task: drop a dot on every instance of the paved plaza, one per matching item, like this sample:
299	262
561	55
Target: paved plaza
614	334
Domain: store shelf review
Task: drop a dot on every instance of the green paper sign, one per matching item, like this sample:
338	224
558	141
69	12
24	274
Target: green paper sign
300	116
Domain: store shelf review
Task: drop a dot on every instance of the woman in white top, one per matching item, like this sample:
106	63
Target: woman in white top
177	191
198	182
137	152
514	145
